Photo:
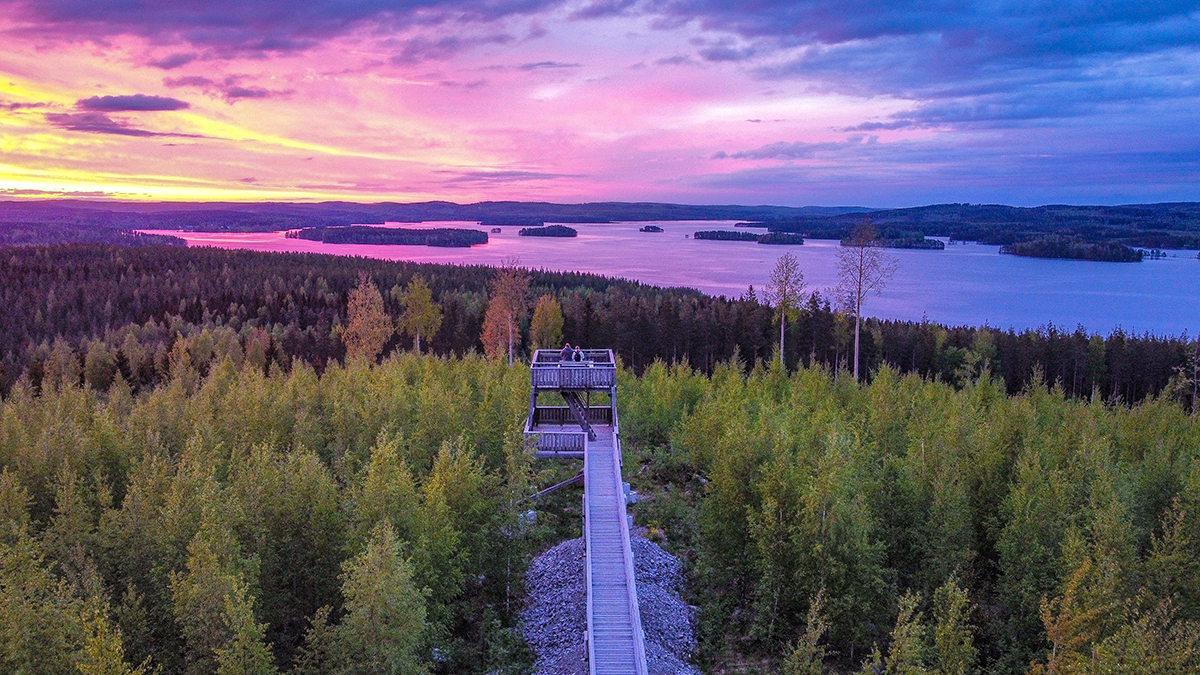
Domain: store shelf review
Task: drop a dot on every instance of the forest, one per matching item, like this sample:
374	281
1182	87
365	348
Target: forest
233	462
129	309
367	518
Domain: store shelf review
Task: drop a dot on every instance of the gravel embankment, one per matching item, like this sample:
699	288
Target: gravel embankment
555	617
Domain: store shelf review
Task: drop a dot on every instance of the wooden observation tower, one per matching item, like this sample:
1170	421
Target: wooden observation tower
579	430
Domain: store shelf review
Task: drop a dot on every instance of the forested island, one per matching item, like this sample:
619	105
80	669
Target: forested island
909	242
213	457
1168	225
768	238
1073	249
725	235
391	236
548	231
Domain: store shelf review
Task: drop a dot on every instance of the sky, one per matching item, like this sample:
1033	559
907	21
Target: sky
786	102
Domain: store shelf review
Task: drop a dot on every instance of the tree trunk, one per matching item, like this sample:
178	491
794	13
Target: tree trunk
782	321
510	341
856	312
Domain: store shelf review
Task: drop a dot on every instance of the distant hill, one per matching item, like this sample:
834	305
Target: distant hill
1167	225
271	216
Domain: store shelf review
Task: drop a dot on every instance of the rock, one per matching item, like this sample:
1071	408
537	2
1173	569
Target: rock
555	617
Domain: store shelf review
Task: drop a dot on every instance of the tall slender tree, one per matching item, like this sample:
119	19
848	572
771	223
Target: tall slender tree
546	328
863	268
508	305
369	325
783	291
422	316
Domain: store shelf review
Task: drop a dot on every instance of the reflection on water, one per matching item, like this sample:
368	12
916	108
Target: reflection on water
965	284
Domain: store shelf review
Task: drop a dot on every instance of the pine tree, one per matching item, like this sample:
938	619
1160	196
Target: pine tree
102	653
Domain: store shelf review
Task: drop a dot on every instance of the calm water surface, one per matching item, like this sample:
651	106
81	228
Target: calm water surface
967	284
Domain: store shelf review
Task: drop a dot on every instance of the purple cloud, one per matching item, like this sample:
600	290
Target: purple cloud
543	65
229	88
174	61
271	26
797	150
133	102
95	123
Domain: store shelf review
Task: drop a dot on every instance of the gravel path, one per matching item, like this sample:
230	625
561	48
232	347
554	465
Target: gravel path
555	618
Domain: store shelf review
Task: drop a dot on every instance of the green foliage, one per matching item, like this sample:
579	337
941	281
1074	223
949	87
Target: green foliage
385	615
954	650
545	331
103	653
807	656
422	316
231	512
368	326
245	653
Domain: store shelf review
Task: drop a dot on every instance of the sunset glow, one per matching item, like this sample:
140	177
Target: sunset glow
687	101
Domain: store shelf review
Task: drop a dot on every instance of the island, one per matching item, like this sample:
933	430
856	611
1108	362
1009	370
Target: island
907	242
650	228
391	236
768	238
787	238
1071	248
725	235
548	231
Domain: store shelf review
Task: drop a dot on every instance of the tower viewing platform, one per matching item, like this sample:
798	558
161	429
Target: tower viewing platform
580	430
560	430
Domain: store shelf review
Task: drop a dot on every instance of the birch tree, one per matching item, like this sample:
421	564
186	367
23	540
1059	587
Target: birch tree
783	291
422	316
863	268
509	303
369	324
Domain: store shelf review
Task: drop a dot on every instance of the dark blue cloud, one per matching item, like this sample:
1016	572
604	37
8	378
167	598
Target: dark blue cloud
250	26
132	102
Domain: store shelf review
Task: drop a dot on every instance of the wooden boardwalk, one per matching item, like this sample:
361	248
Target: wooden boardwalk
616	644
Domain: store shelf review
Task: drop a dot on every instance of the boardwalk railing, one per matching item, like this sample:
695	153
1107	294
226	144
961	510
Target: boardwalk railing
598	370
563	442
635	614
561	414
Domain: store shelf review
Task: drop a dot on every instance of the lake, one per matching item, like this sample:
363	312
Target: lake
966	284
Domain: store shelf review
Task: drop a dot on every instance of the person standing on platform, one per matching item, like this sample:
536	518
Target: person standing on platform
565	354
